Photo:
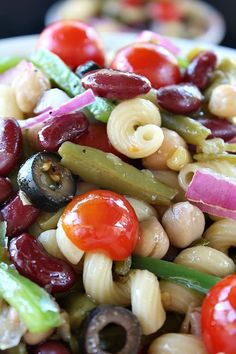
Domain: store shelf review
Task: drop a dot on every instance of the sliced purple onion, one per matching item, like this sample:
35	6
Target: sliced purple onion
75	104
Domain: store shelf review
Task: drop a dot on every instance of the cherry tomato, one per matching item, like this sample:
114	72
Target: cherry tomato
219	317
166	11
96	137
73	41
153	61
101	220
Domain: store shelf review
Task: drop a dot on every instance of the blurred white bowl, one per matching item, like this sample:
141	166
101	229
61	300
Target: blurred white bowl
214	33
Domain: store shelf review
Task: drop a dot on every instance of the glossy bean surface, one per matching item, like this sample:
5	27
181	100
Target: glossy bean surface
57	130
180	99
18	216
50	347
5	189
116	85
200	69
10	145
32	261
220	128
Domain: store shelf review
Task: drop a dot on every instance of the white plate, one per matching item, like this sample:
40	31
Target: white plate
25	45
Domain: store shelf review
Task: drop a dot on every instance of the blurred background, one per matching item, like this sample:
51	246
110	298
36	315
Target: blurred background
209	20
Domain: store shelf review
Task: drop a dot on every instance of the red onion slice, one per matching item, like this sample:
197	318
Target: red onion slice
213	193
75	104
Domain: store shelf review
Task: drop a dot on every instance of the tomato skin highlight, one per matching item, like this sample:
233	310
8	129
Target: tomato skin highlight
73	41
218	319
102	221
150	60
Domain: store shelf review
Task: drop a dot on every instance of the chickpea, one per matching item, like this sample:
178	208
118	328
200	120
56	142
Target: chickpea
158	160
184	223
29	87
8	104
223	101
153	241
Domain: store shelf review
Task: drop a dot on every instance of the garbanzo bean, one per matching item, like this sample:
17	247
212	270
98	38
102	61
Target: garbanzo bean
184	223
158	160
223	101
153	241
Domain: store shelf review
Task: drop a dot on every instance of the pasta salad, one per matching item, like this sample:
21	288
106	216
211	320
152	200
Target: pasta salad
117	198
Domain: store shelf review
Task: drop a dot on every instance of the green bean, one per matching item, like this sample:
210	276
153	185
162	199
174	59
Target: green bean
64	78
107	171
191	130
230	147
36	308
4	255
47	221
216	146
77	306
188	277
19	349
224	74
223	156
8	62
122	268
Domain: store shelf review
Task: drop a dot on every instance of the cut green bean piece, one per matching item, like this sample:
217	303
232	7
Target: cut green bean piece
209	157
107	171
215	145
78	306
224	74
20	349
4	254
8	62
36	308
188	277
191	130
59	73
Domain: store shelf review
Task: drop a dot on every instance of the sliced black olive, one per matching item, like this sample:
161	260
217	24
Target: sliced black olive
110	329
85	68
46	183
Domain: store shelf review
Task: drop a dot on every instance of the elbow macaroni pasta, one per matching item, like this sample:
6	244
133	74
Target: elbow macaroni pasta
146	305
134	128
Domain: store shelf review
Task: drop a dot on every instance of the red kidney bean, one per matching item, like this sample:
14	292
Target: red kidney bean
32	261
57	130
220	128
50	347
10	145
200	69
5	189
116	85
18	216
180	99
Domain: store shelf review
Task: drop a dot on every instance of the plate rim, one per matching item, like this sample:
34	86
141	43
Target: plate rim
24	45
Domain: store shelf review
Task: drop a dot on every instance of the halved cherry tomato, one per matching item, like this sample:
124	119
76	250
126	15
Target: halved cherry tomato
148	59
219	317
73	41
96	137
101	220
